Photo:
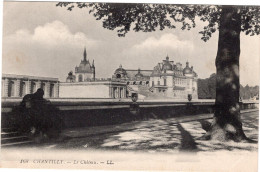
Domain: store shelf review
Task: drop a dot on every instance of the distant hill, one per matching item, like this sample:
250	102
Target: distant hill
207	89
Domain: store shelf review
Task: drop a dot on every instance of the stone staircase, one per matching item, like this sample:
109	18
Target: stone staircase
140	89
144	90
10	137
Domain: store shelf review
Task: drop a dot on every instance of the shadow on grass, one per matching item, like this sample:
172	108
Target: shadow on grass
205	125
187	141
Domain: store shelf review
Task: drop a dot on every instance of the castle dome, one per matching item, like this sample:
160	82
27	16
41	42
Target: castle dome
167	65
120	70
187	70
71	77
139	73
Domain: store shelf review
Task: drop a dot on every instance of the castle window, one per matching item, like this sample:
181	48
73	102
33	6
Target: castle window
134	83
140	83
158	83
164	82
11	89
52	90
118	76
152	83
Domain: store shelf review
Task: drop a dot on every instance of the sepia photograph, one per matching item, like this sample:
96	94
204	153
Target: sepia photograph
130	86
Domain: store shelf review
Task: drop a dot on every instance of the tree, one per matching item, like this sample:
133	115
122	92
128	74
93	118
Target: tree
229	20
248	92
207	87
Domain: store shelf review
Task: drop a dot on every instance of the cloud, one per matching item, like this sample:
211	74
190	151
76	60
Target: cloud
166	41
57	33
52	34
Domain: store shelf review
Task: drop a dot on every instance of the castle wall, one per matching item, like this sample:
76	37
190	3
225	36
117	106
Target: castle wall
84	91
20	85
169	81
176	87
97	89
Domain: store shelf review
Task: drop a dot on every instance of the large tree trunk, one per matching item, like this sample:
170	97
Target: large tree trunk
227	122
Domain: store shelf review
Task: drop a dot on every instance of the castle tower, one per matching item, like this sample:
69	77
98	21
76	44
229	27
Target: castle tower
85	71
85	54
94	70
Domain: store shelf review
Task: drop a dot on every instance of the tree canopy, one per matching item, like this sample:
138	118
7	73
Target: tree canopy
150	17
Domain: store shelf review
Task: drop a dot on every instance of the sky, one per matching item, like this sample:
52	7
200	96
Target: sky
40	39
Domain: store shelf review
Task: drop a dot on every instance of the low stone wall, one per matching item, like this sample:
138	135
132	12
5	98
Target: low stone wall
83	113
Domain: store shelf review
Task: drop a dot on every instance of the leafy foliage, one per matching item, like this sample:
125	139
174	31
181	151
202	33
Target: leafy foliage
248	92
207	89
149	17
